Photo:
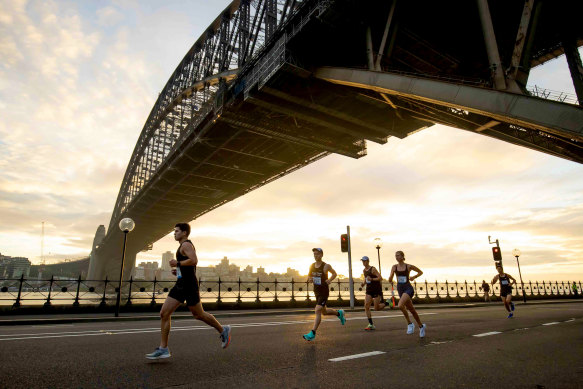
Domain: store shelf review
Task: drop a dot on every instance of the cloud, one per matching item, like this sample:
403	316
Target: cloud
109	16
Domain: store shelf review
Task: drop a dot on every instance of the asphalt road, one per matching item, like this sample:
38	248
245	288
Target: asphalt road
541	347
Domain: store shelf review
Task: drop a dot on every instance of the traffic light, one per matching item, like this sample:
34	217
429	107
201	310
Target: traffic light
497	254
344	243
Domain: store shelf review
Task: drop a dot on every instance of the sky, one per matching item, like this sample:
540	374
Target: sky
78	80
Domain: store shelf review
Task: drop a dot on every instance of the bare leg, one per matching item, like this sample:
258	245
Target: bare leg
329	311
413	311
403	306
506	305
200	314
367	304
378	306
318	317
166	312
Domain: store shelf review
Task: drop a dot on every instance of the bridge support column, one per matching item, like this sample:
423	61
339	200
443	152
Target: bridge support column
491	45
575	66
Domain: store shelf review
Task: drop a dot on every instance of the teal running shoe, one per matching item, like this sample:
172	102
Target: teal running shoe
341	316
159	353
309	336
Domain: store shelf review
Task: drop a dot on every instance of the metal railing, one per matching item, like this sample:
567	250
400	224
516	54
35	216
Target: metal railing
30	292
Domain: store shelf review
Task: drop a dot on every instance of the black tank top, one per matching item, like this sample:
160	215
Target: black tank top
372	284
402	275
188	272
504	280
319	278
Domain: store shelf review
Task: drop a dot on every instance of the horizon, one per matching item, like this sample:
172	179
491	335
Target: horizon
436	194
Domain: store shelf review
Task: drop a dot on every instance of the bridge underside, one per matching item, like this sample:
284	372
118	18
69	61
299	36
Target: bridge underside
334	75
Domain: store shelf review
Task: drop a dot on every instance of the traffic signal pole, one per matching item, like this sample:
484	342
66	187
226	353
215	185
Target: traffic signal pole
351	285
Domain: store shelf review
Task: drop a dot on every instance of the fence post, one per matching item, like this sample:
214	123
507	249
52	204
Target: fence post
339	290
275	287
239	295
129	302
307	291
257	300
467	291
437	289
293	296
76	302
457	292
426	290
219	296
103	303
153	302
414	289
17	302
446	289
48	302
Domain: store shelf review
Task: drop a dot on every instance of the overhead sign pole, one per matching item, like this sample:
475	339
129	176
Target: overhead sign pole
350	270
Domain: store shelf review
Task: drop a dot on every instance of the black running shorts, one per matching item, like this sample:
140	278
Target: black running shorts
322	299
186	291
375	292
505	290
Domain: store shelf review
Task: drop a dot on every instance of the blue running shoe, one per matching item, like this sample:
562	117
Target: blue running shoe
341	316
309	336
512	306
159	353
510	315
226	336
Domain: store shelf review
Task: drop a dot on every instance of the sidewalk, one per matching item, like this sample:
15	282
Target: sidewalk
11	320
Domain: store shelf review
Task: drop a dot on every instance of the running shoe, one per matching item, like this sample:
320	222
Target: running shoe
410	328
370	327
510	315
341	316
309	336
389	303
226	336
422	331
512	306
159	353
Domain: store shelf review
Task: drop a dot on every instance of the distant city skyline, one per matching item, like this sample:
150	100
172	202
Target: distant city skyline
436	194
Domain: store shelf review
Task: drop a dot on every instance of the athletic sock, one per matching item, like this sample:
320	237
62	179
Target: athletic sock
314	332
370	321
338	313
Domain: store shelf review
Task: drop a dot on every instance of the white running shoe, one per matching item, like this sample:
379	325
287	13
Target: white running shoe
410	328
422	331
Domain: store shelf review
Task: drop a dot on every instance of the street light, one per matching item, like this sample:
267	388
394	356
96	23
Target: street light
516	253
378	244
126	225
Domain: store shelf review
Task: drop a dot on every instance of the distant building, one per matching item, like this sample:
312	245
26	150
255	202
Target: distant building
14	267
292	272
166	257
146	271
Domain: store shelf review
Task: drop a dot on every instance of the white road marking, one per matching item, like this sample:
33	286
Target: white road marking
363	355
487	334
572	319
48	335
551	323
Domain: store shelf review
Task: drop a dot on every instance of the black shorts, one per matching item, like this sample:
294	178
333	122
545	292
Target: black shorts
375	292
505	290
186	291
322	299
405	288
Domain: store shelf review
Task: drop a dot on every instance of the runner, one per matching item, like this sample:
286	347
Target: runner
505	289
374	291
318	275
186	288
486	289
406	291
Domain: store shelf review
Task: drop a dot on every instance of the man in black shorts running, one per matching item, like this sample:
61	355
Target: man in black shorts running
186	288
318	275
506	282
374	291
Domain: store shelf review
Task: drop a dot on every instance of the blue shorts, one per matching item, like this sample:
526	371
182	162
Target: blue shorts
405	288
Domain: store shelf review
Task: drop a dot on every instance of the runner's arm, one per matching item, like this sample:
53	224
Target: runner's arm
329	280
495	279
419	272
512	278
377	275
392	274
190	252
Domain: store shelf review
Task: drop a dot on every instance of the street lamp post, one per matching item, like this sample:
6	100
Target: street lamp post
126	225
516	253
378	244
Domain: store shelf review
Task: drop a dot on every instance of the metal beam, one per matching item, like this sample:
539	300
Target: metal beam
491	45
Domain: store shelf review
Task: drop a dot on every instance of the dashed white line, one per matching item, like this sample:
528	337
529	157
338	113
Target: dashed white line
487	334
355	356
551	323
